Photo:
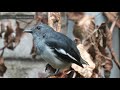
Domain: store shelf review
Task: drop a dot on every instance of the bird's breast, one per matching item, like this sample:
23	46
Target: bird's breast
50	58
39	44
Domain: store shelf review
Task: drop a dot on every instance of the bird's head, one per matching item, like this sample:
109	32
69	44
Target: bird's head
39	28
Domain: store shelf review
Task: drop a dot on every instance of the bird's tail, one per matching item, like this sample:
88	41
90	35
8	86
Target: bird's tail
83	62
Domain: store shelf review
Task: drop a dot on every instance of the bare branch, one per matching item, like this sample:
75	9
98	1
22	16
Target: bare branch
113	25
109	44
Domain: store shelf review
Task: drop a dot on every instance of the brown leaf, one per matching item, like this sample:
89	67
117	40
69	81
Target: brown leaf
108	65
95	73
7	26
19	33
111	16
87	70
42	17
12	35
75	16
33	51
3	68
54	20
84	27
107	68
109	45
2	29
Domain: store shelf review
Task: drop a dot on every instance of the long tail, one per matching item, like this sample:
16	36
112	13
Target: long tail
83	61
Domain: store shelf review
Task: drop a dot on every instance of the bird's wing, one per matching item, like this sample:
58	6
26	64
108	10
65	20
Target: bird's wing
64	48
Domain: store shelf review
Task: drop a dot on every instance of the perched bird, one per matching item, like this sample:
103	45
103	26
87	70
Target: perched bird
55	48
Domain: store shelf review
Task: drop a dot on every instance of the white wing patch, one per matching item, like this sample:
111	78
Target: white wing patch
63	52
71	57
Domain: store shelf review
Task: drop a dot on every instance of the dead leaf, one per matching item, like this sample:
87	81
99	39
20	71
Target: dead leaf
87	70
42	17
84	27
75	16
3	68
111	16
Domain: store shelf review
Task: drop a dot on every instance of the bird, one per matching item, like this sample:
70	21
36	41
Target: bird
55	48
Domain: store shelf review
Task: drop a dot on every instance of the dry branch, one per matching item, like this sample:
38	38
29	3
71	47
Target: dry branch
109	44
113	25
111	17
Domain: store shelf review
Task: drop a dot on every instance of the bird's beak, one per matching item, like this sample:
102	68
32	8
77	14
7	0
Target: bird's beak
27	31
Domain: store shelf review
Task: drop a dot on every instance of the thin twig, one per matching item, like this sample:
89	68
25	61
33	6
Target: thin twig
114	58
113	25
28	23
5	46
22	21
91	34
2	53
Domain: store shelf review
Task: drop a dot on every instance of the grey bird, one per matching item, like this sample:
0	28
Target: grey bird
55	48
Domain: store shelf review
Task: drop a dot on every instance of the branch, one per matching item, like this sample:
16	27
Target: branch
114	58
90	35
22	21
113	25
5	46
28	23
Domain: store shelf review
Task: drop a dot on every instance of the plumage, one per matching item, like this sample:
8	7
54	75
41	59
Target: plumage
55	48
60	41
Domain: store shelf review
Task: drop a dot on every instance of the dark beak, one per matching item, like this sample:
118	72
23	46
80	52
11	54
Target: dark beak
27	31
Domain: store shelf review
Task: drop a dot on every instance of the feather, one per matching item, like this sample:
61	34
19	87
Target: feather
64	47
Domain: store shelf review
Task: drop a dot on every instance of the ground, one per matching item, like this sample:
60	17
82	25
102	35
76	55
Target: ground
25	69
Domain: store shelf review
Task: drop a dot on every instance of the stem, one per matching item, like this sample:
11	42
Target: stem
113	25
114	58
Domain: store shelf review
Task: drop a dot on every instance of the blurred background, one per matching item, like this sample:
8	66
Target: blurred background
17	47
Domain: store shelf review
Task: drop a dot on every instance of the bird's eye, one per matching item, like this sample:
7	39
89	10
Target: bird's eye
38	27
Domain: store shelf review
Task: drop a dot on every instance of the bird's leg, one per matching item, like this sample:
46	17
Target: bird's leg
71	74
50	68
53	72
46	67
54	75
56	72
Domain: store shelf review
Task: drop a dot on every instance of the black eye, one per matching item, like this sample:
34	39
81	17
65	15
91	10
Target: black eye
38	27
44	35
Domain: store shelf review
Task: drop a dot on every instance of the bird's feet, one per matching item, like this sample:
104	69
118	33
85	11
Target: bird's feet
56	74
50	68
53	72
